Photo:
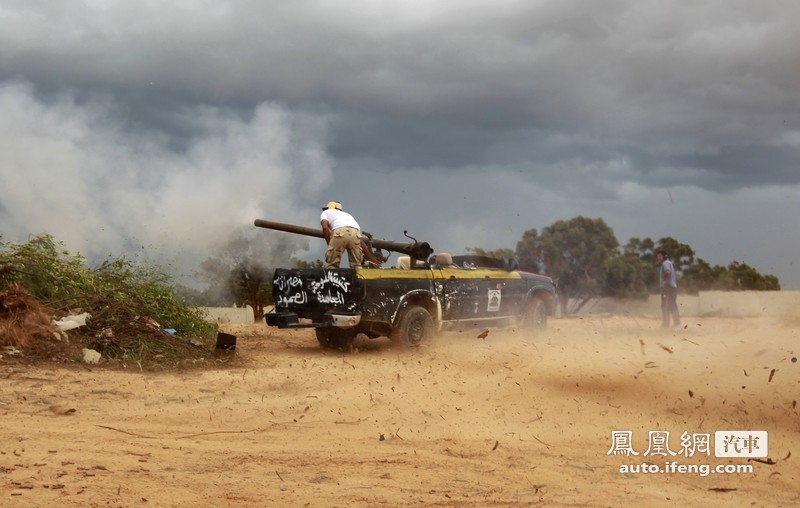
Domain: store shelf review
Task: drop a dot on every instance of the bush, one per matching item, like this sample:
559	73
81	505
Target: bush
130	305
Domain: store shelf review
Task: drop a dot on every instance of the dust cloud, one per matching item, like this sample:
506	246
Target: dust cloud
79	168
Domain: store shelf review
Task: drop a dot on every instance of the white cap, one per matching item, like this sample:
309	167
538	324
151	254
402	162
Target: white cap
331	205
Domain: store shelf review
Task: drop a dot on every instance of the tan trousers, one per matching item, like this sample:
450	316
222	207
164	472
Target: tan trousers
344	239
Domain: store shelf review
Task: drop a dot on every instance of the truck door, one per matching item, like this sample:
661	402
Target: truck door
482	294
462	294
510	289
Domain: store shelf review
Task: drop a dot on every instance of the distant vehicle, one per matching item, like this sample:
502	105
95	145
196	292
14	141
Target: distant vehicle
410	301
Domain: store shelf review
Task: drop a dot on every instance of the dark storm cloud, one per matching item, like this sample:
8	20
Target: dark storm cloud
404	142
603	104
750	165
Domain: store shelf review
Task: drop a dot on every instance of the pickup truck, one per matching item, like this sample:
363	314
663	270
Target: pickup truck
410	302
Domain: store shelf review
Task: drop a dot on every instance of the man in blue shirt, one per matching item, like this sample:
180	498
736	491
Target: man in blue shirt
669	291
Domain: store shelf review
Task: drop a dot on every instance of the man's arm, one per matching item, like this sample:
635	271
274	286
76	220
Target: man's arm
368	254
326	230
666	270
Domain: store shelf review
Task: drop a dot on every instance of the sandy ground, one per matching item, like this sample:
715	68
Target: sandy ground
512	420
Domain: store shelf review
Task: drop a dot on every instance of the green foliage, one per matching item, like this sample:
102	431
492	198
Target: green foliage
576	253
695	274
642	254
679	253
529	252
583	255
701	276
240	272
120	295
645	249
251	283
747	278
190	296
503	253
47	270
628	277
149	291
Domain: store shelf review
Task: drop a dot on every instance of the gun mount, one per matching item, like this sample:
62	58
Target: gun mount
416	250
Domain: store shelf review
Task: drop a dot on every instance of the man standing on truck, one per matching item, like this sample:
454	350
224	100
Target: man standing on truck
342	232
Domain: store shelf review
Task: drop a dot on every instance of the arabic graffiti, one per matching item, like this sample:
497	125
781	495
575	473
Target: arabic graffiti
330	289
333	279
282	282
330	298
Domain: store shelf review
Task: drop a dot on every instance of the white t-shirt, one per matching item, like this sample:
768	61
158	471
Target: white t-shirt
338	219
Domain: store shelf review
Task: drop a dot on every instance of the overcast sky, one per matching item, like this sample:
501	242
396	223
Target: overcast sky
157	127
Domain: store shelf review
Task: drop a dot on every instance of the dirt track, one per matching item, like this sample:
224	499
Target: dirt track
511	420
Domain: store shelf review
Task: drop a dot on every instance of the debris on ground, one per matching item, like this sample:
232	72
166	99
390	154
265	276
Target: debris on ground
71	322
25	324
29	330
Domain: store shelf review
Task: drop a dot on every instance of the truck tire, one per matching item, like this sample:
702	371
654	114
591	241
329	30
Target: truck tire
535	319
335	338
415	326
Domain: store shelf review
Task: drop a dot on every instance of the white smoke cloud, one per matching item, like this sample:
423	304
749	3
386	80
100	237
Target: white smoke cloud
77	171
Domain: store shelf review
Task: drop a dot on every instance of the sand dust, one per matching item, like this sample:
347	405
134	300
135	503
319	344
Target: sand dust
510	420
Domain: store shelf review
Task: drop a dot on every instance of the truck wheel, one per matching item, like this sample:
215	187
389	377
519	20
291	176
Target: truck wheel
415	326
536	317
335	338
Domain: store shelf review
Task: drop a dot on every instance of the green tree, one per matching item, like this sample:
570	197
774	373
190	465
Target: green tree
644	248
251	283
501	253
529	252
582	255
696	274
627	277
576	253
680	254
193	296
640	254
746	277
241	272
701	276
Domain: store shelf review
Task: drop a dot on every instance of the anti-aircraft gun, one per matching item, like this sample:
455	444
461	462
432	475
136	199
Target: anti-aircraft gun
418	251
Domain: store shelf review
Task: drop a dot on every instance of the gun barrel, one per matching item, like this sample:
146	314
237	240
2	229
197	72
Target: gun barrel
417	250
289	228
